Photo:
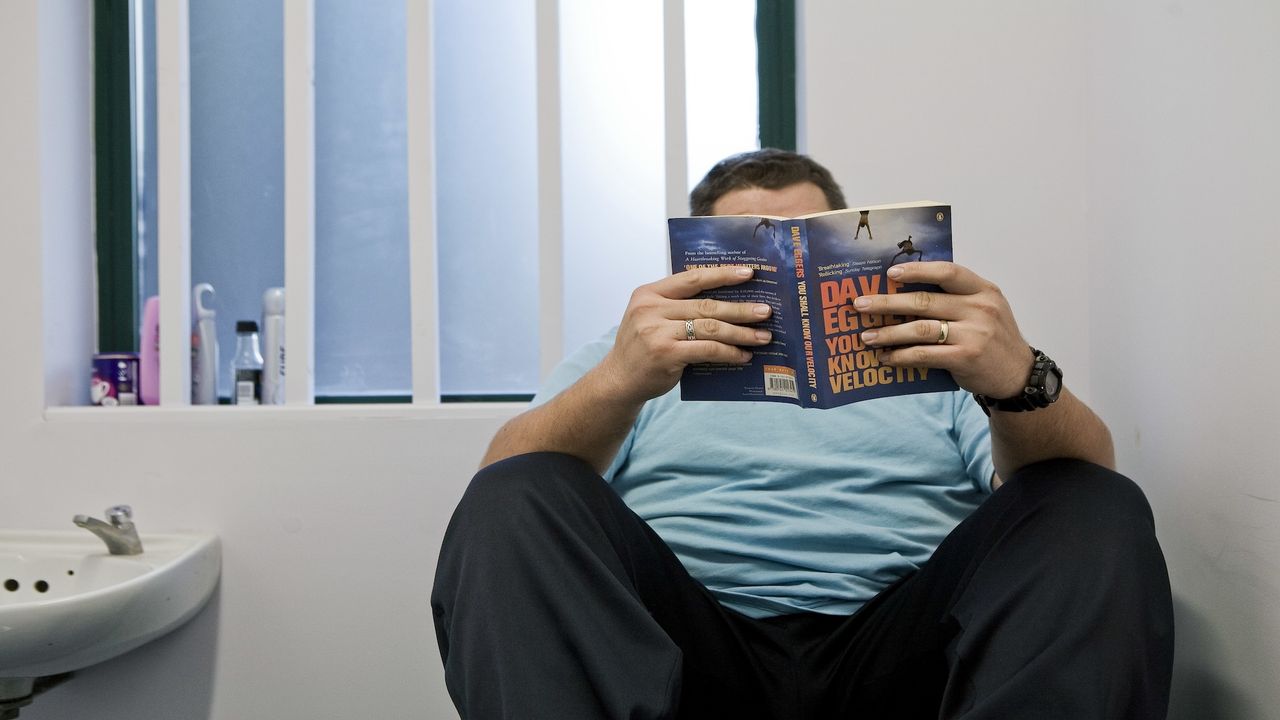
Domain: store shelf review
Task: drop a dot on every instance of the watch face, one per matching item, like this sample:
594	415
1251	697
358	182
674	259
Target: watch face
1052	384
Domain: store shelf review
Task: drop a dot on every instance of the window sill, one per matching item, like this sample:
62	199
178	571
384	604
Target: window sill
237	414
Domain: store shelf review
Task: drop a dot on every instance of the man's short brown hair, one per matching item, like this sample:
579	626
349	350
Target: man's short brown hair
767	168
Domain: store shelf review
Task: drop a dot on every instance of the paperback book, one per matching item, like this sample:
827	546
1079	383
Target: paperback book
810	269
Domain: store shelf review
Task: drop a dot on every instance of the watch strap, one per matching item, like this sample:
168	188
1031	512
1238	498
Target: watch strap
1034	394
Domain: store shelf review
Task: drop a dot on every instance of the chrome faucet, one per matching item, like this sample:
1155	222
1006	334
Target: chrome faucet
120	534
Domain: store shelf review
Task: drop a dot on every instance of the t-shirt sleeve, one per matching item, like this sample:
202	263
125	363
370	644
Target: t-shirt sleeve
573	367
569	371
973	435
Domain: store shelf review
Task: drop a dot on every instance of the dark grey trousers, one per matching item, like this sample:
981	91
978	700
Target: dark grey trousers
553	600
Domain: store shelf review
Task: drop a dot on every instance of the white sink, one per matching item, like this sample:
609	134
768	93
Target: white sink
65	603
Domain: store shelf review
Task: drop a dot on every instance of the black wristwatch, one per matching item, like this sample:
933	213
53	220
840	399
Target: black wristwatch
1042	389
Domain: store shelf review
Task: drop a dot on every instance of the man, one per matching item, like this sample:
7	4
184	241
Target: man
739	560
864	221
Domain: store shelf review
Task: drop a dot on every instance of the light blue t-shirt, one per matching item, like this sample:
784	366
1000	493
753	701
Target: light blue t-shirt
778	509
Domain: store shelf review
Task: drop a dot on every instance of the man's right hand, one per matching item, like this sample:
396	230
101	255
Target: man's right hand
652	350
591	418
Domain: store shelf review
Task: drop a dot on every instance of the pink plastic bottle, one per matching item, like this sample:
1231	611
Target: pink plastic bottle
149	357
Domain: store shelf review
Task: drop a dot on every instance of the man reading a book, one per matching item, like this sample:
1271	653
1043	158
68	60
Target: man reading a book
624	554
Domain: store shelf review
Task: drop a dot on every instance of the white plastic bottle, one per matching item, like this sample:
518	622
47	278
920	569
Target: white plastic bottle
273	346
246	366
204	349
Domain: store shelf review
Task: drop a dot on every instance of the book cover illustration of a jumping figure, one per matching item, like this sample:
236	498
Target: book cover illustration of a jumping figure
809	270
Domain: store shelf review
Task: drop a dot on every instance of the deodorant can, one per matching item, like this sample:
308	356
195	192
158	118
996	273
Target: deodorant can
115	379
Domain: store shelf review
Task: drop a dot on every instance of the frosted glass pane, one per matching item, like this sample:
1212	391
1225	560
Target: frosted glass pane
145	117
362	250
237	159
721	81
614	154
487	196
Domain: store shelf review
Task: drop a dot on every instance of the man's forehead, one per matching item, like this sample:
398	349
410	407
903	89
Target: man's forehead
801	198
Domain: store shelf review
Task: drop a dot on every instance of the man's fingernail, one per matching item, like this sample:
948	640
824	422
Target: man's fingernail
870	335
744	272
763	335
862	303
894	272
762	310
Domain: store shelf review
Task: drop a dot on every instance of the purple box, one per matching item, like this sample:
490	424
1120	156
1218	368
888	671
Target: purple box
115	379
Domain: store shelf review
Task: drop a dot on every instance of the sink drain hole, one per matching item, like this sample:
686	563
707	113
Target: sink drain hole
42	586
11	585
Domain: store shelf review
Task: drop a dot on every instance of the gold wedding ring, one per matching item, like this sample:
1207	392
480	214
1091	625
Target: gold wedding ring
944	329
688	330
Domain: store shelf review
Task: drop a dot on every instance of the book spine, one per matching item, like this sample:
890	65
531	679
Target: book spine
806	324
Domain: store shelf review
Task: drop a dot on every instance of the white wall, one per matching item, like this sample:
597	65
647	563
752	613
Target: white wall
1114	167
1185	103
977	105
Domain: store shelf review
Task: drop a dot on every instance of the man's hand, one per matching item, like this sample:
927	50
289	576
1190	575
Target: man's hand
986	354
652	350
984	350
590	419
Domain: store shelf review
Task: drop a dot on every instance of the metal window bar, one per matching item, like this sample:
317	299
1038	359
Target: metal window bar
550	188
173	197
677	127
299	200
423	284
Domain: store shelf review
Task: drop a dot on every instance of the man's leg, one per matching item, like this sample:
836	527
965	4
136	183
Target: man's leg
552	599
1050	601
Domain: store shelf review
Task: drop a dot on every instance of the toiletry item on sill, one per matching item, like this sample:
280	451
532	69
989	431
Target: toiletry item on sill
246	366
273	346
115	379
204	348
149	354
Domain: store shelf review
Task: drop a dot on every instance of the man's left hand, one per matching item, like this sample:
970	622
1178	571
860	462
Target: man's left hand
980	346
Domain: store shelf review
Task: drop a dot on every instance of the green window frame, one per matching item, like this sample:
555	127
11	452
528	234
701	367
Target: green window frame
776	65
115	177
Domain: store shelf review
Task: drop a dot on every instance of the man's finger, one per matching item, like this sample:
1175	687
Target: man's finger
920	303
689	283
917	332
719	331
710	351
950	276
739	313
945	357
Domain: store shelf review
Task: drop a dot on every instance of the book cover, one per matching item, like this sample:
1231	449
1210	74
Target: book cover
809	270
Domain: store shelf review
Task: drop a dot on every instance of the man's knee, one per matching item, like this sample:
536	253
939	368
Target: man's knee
509	487
517	505
1087	495
1096	526
509	511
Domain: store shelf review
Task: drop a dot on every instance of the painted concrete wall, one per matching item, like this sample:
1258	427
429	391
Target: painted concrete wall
1114	168
978	106
1183	179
